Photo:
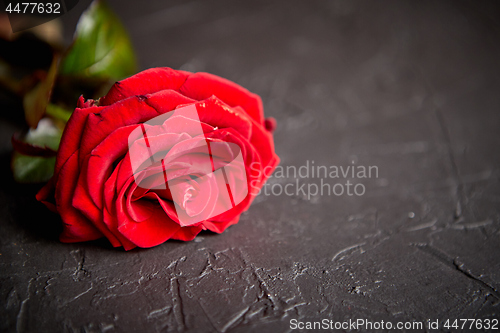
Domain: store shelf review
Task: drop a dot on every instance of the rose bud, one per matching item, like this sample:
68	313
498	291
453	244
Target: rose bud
164	155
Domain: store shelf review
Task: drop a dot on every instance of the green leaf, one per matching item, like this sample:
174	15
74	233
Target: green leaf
36	169
57	112
35	101
101	46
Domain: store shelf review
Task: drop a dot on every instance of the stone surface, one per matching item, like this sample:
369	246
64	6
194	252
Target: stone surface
408	87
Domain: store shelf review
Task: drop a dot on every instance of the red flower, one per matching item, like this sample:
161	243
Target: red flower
97	190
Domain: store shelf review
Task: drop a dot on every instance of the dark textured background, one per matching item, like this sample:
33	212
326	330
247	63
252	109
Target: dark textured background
411	87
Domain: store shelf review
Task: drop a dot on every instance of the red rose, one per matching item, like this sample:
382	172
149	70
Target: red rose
98	191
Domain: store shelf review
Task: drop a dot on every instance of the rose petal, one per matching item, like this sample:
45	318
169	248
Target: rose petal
219	227
109	211
216	113
101	159
146	82
270	124
187	233
143	154
99	125
203	85
83	202
77	227
167	205
181	124
94	185
72	135
82	103
151	232
167	100
250	155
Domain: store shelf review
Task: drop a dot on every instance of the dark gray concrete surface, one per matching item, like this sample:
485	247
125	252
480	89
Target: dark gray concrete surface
411	87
